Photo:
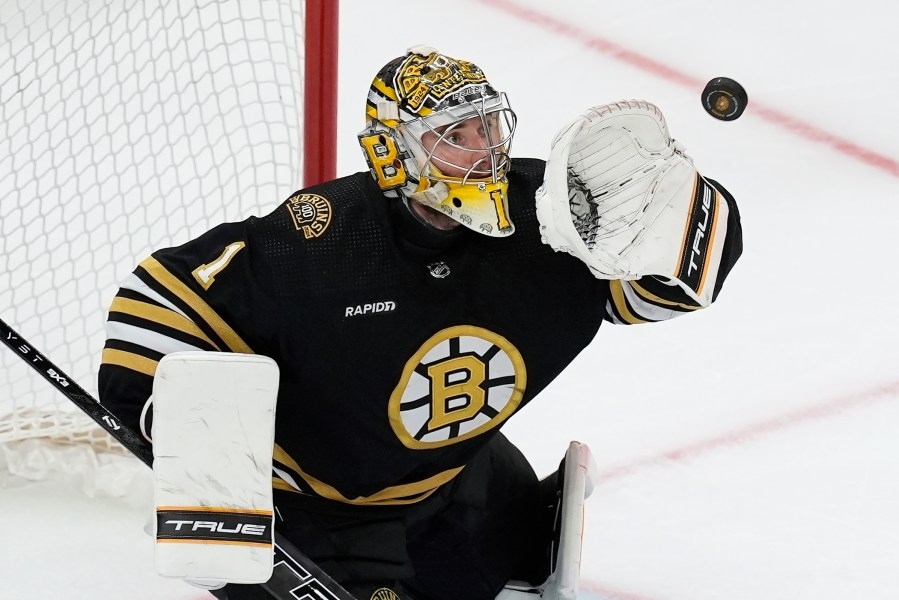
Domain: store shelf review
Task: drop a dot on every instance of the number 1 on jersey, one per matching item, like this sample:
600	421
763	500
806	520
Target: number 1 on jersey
205	274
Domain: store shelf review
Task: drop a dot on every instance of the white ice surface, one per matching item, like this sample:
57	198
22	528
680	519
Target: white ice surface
59	544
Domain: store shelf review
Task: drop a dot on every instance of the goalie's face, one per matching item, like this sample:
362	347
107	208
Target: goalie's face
471	149
462	161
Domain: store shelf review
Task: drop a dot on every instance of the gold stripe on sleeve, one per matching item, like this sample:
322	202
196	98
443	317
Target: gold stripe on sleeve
621	303
129	360
280	484
158	314
654	298
180	289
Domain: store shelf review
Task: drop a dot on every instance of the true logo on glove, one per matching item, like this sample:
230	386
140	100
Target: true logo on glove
213	526
699	236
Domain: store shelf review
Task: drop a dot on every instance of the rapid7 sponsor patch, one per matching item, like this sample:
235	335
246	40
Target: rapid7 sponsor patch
369	308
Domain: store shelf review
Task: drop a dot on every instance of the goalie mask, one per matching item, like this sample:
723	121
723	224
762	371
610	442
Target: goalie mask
438	133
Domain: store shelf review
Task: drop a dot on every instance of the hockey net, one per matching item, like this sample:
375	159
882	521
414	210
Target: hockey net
126	127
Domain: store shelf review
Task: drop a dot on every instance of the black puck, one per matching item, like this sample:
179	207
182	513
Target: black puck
724	99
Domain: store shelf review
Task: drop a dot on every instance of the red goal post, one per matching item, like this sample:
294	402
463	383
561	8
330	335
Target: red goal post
320	95
126	127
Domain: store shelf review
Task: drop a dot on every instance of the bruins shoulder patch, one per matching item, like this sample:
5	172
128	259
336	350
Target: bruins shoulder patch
310	213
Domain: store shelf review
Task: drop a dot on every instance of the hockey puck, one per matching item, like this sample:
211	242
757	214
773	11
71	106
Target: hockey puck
724	99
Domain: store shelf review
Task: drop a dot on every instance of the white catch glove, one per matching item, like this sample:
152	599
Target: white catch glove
620	194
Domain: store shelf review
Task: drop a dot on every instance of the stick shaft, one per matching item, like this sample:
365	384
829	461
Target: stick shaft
76	394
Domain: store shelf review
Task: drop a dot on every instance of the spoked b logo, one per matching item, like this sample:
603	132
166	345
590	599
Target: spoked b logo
463	381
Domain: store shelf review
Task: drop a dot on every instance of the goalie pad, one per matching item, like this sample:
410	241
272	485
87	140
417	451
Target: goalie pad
579	476
620	194
213	435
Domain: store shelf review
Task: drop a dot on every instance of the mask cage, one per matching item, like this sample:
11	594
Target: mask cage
498	122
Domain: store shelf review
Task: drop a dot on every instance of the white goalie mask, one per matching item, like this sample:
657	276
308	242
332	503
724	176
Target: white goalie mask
438	133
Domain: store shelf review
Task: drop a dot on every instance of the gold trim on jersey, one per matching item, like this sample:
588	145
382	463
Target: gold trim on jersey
641	291
129	360
161	315
408	493
621	304
197	304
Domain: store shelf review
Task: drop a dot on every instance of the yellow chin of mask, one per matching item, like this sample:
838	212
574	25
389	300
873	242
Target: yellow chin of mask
482	206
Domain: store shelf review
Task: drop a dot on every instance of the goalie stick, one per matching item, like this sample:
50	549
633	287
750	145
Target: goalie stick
295	576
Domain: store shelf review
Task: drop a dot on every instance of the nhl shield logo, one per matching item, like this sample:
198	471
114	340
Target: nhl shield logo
462	382
311	214
440	270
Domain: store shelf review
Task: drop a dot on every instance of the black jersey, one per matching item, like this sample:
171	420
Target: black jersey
396	365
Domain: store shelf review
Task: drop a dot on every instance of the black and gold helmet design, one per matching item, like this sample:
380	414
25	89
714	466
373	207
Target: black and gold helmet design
438	133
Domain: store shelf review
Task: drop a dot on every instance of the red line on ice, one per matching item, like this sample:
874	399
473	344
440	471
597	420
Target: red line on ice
819	411
779	118
827	409
603	592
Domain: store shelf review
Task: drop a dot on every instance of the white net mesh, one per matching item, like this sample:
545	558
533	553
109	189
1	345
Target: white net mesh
124	127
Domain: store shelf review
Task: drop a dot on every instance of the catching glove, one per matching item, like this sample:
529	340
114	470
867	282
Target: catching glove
620	194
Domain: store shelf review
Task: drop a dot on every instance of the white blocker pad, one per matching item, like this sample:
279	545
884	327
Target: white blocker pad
213	434
580	477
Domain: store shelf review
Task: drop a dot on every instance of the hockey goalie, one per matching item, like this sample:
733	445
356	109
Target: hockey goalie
353	355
